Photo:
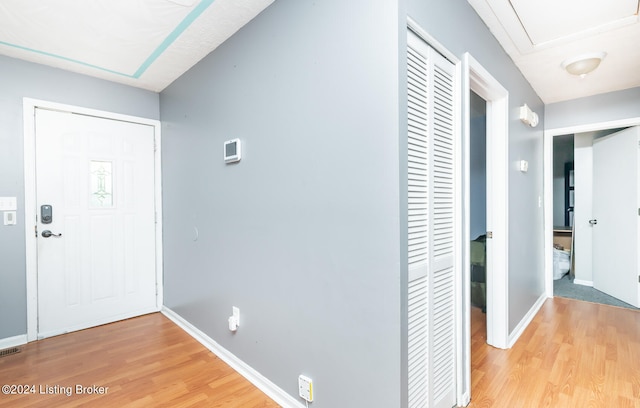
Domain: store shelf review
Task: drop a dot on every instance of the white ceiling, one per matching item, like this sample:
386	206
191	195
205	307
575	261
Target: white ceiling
539	35
143	43
149	43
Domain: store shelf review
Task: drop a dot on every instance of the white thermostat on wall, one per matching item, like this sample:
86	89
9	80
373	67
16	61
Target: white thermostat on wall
232	151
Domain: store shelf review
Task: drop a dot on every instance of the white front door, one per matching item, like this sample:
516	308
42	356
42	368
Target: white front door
615	215
95	178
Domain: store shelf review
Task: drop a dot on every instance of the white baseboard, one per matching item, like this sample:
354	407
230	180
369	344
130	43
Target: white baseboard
465	399
13	341
583	282
517	332
262	383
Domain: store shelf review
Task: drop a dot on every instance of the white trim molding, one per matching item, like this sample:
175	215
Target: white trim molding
475	77
462	289
13	341
29	106
433	43
583	282
479	80
261	382
526	320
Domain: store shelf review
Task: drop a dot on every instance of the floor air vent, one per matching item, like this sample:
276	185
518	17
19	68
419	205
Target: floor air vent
9	351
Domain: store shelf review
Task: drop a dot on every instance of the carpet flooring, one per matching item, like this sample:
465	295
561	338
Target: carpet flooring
566	288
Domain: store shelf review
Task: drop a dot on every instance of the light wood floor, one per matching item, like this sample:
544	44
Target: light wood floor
574	354
145	362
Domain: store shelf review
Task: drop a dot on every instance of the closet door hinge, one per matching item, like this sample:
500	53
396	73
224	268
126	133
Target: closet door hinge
489	234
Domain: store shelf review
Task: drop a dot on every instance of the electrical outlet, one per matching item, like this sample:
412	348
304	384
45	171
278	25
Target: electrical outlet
305	386
236	314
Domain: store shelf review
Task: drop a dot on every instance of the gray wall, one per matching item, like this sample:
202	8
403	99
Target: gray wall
478	167
456	25
303	234
23	79
594	109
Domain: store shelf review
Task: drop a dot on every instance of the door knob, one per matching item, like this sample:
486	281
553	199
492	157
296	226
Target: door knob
593	222
47	234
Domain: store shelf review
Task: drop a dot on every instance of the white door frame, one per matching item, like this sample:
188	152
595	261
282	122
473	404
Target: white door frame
549	134
29	110
476	78
479	80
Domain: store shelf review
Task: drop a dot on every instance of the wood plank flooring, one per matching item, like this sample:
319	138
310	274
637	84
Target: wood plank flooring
147	361
573	354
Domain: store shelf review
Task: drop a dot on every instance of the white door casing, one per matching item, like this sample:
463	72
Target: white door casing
105	266
616	213
488	88
477	79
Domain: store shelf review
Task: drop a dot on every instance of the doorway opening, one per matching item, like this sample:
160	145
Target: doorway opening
478	215
575	167
583	140
478	219
479	81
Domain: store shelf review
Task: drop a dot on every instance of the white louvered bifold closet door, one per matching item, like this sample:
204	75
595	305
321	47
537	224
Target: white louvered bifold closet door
431	349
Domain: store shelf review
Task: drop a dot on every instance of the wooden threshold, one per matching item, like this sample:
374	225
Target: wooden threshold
573	354
146	361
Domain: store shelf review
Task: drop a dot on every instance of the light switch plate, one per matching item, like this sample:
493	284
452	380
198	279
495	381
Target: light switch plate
8	203
10	218
524	166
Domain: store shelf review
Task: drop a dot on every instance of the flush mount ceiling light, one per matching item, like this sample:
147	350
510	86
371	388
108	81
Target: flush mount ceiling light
583	64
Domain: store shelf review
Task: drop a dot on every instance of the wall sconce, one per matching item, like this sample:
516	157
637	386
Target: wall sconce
528	117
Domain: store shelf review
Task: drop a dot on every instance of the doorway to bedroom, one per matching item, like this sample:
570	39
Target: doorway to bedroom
578	165
478	216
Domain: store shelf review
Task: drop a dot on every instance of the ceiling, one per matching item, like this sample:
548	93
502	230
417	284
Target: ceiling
539	35
150	43
143	43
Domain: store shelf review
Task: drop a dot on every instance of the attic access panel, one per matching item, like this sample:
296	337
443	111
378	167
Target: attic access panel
549	20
